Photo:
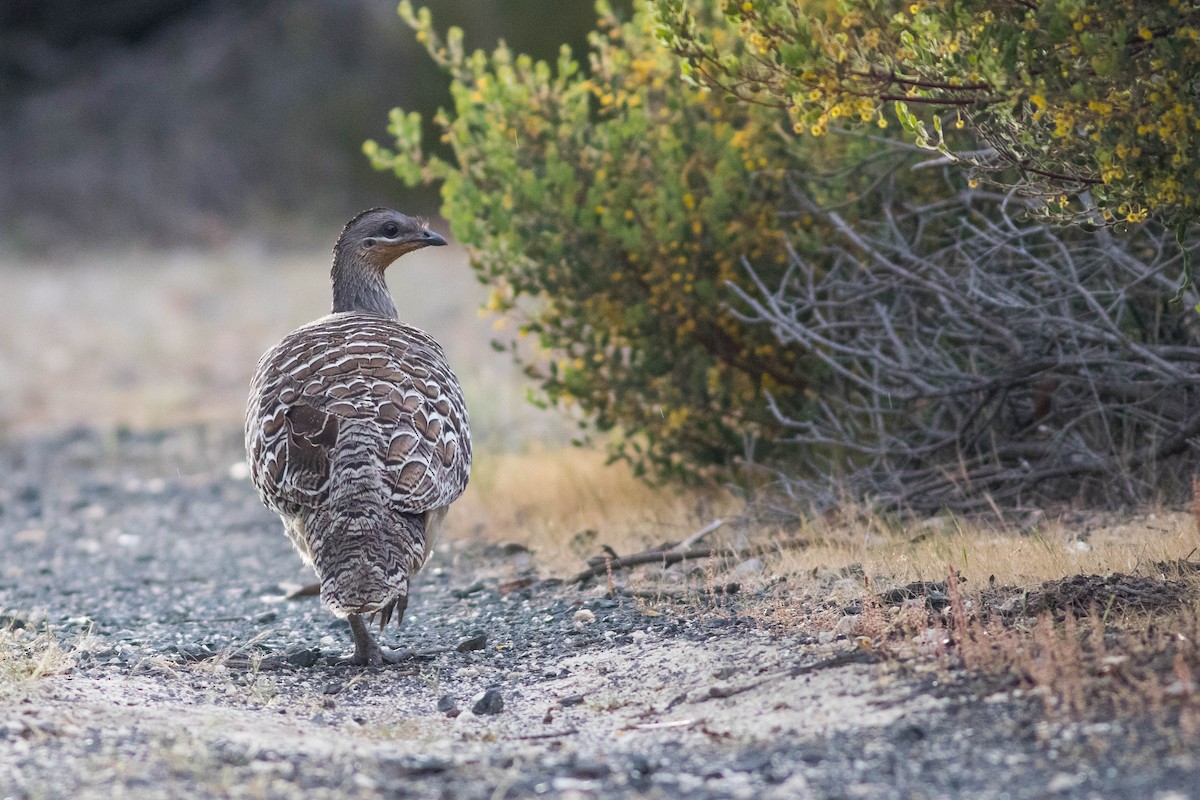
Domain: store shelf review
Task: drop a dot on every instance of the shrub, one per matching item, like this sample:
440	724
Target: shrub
1091	104
716	290
608	208
977	360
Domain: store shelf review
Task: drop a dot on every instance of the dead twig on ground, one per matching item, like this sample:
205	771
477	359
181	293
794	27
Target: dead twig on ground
669	557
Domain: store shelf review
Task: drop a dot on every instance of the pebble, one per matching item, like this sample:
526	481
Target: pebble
447	705
475	641
583	617
304	658
751	566
488	702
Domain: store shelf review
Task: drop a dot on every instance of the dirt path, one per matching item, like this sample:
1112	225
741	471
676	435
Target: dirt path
159	568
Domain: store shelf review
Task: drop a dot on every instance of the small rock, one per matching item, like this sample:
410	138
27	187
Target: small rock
304	658
1064	781
583	617
572	700
751	566
447	705
474	641
826	637
474	588
490	702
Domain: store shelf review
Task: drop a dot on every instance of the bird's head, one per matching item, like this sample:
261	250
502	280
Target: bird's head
379	236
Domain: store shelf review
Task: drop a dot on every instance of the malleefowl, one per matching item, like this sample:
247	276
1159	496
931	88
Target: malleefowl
357	434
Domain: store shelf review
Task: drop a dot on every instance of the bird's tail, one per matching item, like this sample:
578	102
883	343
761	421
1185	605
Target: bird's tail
364	563
363	549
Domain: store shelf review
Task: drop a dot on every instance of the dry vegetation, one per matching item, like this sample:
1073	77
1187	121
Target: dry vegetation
1094	614
27	655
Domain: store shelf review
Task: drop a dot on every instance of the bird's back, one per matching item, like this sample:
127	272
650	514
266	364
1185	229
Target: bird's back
356	431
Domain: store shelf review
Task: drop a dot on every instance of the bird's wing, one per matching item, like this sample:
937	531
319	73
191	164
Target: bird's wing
386	381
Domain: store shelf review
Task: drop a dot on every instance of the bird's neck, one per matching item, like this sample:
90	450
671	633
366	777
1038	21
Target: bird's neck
359	286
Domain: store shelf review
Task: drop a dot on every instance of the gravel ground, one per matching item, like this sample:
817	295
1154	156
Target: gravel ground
194	677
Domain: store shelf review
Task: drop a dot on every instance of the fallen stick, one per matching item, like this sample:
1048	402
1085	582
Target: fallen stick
549	734
668	557
691	541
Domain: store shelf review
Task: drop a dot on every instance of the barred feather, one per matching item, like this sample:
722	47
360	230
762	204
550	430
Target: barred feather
357	436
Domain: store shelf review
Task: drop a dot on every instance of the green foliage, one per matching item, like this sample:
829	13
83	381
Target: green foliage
1090	103
609	208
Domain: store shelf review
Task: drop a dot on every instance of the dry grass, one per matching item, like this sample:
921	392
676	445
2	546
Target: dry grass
28	655
567	503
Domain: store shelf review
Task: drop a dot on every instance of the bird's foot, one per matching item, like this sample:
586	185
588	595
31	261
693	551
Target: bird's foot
367	652
376	656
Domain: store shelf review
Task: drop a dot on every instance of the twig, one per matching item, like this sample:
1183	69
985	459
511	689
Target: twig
657	726
668	557
696	537
548	735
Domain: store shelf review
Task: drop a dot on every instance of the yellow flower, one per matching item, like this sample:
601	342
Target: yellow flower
1039	103
1145	33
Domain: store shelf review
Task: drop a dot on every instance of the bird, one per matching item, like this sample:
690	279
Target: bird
357	434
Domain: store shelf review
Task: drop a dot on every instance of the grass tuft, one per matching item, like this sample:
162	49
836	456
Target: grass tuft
26	656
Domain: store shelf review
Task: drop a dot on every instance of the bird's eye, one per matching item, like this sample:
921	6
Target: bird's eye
390	230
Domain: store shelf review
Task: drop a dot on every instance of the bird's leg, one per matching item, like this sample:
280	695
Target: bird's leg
367	652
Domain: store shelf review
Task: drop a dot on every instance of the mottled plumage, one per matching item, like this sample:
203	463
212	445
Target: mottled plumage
357	433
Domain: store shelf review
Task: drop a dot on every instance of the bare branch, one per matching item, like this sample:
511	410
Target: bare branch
977	358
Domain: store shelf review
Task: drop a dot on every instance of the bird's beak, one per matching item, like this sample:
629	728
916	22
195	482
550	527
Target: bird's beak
428	238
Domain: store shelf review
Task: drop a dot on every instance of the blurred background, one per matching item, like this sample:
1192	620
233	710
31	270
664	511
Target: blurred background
173	122
173	174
